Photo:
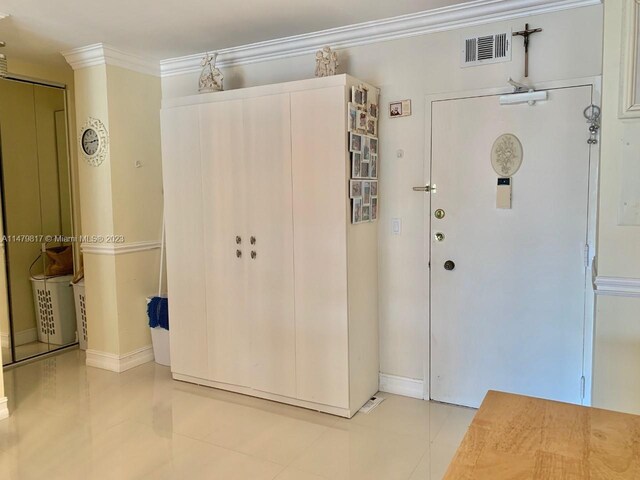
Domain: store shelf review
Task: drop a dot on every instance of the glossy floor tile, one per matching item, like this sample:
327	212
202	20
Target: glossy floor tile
70	421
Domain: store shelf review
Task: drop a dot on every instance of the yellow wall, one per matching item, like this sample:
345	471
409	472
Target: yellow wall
122	199
617	344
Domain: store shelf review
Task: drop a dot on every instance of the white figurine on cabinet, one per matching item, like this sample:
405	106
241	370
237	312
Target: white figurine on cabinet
326	62
211	77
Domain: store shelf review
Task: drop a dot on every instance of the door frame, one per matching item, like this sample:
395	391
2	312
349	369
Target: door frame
595	83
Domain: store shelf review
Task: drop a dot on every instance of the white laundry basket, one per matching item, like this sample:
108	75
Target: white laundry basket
55	312
81	313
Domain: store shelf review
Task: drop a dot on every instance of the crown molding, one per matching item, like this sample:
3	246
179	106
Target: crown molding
101	54
468	14
118	248
617	286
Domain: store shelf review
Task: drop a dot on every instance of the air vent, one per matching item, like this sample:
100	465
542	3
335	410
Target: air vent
485	49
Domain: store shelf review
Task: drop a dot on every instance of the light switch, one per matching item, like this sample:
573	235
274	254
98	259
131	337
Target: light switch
396	226
503	193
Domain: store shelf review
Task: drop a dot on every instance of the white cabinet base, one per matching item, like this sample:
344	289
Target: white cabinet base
341	412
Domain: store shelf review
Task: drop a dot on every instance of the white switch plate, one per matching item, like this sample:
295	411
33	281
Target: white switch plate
396	226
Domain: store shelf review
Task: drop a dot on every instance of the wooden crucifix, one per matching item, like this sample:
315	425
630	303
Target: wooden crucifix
525	34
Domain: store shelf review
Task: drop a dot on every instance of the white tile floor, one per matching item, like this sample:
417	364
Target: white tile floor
74	422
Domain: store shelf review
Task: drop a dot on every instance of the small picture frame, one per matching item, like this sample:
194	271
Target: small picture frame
365	95
366	193
356	211
366	213
373	145
356	161
374	189
364	170
352	117
362	121
374	209
372	126
355	188
355	143
401	108
358	95
373	166
373	110
366	149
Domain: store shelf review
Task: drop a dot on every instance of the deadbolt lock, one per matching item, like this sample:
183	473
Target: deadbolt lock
439	236
439	214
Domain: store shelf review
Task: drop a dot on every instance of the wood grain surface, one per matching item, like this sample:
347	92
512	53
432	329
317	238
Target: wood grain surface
518	437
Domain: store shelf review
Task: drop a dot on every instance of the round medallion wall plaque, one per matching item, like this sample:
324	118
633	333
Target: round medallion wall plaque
506	155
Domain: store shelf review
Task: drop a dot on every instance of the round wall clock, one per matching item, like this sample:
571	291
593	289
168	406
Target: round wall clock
94	142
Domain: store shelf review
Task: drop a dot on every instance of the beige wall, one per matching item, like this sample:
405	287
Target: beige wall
413	68
121	198
617	344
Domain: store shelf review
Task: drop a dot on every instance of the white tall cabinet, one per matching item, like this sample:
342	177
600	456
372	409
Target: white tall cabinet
272	290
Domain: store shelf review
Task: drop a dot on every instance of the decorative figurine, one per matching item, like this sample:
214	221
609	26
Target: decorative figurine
326	62
211	77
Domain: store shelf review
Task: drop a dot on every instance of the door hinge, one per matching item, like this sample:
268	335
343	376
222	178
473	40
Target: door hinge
582	386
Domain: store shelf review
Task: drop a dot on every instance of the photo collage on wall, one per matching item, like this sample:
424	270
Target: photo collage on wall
362	121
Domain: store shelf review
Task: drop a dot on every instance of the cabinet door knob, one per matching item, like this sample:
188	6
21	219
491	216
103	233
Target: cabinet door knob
252	240
449	265
253	254
238	240
238	253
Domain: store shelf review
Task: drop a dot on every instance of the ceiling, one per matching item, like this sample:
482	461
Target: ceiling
38	30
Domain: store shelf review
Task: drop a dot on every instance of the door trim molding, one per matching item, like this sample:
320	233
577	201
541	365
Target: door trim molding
595	82
617	286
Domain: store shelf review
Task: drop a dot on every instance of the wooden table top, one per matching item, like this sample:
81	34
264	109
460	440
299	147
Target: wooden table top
518	437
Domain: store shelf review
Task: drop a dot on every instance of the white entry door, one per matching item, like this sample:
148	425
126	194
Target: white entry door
510	315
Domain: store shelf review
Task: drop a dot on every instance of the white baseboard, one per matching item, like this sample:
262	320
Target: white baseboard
119	363
407	387
4	340
29	335
4	408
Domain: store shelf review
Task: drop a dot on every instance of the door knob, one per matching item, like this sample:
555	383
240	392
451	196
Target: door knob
449	265
238	253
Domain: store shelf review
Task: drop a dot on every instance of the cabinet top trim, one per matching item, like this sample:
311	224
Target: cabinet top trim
343	80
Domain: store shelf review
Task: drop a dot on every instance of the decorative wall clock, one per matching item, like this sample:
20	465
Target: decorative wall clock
94	142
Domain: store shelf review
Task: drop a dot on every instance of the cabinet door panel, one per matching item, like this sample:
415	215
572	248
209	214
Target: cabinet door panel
270	293
320	217
185	249
224	218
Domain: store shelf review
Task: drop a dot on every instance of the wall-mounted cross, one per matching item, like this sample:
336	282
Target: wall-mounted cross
525	33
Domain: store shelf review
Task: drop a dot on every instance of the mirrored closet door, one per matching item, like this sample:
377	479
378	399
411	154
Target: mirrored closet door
37	312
